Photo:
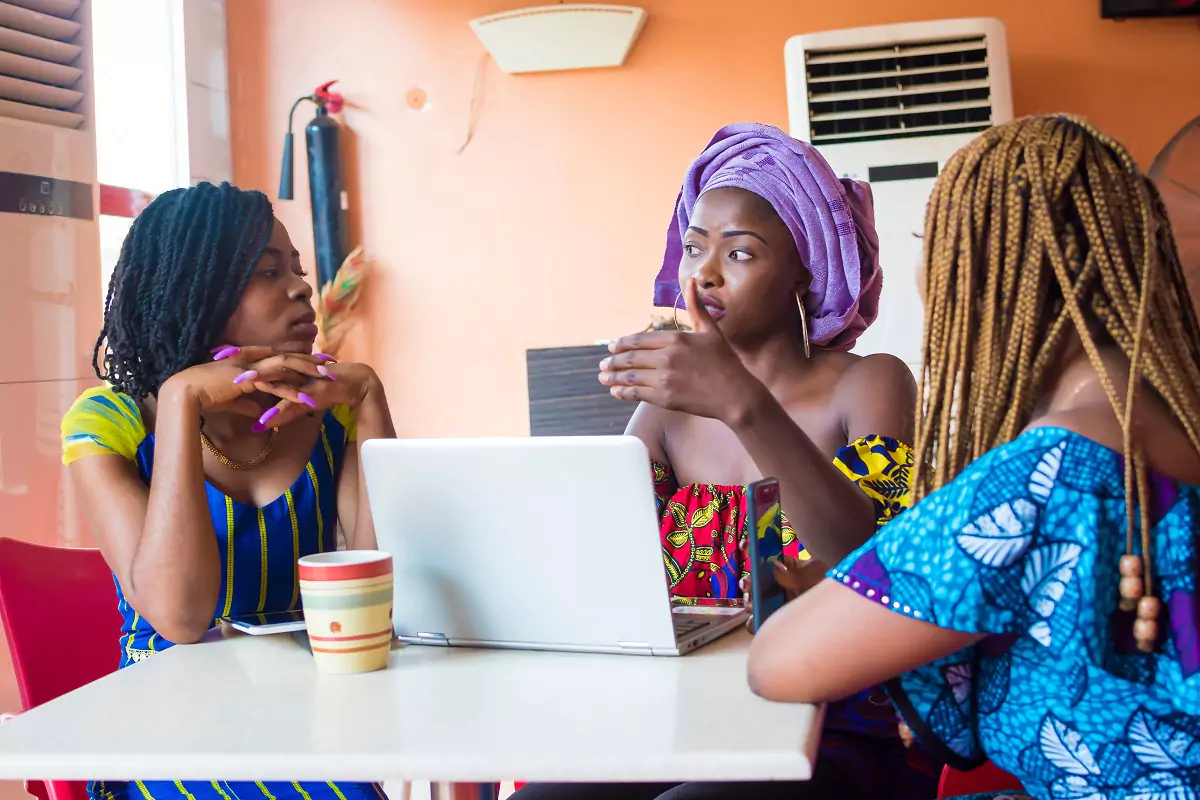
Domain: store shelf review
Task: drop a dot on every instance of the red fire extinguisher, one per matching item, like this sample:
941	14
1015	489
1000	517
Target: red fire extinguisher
324	179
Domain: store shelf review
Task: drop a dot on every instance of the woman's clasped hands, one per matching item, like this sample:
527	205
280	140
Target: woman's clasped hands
303	383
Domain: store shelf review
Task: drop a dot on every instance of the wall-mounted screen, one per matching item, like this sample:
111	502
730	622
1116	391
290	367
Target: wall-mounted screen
1120	9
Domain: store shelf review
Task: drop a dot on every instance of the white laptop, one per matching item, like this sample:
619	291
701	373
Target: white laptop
539	543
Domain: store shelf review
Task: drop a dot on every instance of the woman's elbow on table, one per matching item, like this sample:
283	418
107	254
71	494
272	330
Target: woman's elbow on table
797	656
180	629
775	672
762	680
175	622
772	678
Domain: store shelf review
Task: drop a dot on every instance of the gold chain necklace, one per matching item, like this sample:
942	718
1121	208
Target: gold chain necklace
227	461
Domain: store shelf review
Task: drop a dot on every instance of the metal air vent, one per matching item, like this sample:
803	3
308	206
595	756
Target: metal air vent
41	44
901	91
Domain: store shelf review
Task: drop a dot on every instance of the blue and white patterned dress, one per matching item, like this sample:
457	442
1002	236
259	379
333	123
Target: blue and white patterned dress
1024	546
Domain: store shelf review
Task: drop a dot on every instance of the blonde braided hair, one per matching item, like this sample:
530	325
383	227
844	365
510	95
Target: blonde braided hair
1038	227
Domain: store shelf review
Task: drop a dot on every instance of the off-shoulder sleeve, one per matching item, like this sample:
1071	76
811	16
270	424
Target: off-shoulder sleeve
881	467
345	417
102	422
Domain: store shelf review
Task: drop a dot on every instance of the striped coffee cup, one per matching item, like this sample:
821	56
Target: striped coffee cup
347	598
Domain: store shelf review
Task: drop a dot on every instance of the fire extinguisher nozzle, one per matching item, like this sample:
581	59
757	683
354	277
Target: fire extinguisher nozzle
285	173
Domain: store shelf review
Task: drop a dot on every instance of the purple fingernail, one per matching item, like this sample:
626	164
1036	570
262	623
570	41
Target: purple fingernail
324	370
217	349
268	415
324	357
226	353
248	375
257	427
308	401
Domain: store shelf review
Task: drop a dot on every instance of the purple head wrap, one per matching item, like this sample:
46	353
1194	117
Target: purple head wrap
832	221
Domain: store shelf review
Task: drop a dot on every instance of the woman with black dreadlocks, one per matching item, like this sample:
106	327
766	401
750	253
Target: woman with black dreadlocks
1040	603
252	439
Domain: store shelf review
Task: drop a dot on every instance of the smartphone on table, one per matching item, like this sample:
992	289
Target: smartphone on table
262	624
765	548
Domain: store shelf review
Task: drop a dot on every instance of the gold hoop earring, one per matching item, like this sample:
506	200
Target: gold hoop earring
803	324
675	308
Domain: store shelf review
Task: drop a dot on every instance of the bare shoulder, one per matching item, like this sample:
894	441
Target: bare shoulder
650	423
877	395
880	373
648	417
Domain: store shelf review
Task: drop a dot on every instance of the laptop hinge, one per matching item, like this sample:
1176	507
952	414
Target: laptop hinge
438	639
635	648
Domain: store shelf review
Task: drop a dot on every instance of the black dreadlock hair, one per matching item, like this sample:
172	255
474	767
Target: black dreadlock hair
182	270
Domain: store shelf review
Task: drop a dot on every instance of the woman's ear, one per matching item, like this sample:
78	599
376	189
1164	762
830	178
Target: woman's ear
803	282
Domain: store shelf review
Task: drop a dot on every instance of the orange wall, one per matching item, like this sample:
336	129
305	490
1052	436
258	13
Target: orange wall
548	229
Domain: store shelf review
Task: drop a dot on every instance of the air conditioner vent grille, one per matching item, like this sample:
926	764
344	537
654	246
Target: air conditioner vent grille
42	58
905	90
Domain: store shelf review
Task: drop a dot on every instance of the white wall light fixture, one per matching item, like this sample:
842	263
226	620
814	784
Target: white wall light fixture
560	37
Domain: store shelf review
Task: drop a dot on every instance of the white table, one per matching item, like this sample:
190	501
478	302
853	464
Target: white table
254	708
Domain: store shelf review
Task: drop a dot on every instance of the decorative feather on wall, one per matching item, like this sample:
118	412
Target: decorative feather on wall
336	302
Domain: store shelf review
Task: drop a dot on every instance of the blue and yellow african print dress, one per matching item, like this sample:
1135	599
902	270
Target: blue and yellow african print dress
259	548
1024	547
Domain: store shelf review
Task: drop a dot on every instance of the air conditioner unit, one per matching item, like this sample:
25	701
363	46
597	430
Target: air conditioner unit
50	302
890	105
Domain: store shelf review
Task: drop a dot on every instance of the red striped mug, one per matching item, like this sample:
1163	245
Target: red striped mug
347	598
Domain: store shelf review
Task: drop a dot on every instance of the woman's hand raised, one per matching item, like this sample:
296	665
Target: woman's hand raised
696	373
226	383
325	385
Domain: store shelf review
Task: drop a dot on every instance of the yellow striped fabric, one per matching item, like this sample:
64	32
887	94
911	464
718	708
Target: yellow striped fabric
262	540
228	556
291	507
312	476
328	452
133	629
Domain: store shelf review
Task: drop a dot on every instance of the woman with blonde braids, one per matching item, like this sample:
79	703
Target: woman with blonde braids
1039	605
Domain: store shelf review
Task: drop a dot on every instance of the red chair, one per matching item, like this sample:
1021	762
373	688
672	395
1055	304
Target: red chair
59	611
987	778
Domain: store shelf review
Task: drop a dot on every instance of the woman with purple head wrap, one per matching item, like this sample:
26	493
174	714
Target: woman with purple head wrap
830	221
777	261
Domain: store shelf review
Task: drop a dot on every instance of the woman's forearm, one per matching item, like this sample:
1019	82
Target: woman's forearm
831	516
373	420
175	577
